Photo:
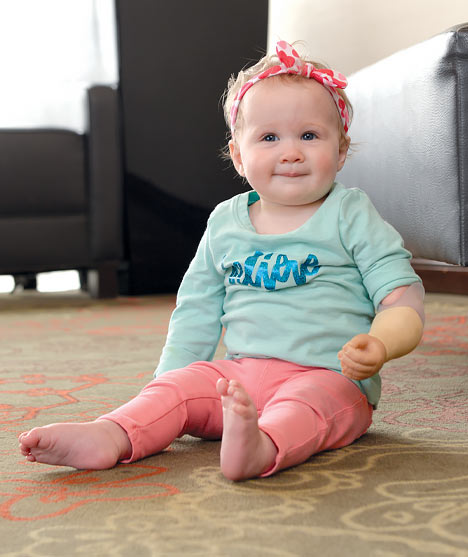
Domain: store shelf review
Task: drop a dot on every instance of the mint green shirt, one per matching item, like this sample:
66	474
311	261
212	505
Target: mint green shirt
298	296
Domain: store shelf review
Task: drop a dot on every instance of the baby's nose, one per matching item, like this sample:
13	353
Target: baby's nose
292	153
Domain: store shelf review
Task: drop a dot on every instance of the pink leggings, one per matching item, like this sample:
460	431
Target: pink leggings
303	410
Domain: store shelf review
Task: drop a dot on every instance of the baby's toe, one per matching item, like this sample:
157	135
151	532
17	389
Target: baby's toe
222	386
241	397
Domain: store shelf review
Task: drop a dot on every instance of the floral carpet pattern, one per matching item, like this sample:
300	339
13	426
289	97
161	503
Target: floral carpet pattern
401	490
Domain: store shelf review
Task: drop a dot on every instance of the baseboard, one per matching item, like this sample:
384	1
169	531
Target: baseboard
438	277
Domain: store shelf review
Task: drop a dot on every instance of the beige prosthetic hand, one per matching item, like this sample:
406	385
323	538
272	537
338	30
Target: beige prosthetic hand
396	330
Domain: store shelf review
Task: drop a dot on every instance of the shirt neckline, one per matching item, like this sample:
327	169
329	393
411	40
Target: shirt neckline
249	198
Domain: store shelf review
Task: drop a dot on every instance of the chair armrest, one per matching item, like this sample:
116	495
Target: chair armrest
105	174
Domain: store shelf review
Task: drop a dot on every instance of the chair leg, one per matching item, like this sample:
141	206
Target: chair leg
102	282
27	281
83	273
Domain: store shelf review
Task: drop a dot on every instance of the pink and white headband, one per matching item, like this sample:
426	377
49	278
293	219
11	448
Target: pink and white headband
291	63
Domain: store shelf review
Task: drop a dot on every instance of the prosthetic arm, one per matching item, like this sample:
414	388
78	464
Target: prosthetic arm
396	330
399	324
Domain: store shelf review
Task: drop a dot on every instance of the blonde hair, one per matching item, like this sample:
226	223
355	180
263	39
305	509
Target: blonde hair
236	83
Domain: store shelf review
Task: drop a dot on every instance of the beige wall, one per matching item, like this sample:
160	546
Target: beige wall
350	34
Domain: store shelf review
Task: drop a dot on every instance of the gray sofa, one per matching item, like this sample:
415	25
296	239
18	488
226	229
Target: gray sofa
411	135
61	198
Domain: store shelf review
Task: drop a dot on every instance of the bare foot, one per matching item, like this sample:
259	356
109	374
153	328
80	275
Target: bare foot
92	446
246	451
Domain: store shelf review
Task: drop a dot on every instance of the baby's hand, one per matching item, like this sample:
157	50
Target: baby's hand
362	357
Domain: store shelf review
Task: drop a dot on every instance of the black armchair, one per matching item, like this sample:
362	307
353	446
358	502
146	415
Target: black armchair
61	198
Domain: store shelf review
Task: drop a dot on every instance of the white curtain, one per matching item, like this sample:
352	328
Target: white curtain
50	52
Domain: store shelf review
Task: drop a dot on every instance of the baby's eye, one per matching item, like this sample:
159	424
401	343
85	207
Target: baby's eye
270	137
309	136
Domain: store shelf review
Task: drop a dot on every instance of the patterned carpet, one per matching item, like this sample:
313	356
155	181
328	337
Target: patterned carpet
401	490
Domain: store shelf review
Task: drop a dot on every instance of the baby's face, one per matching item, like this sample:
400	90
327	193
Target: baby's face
288	144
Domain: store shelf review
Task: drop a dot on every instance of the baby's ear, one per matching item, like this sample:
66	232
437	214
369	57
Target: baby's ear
236	157
343	153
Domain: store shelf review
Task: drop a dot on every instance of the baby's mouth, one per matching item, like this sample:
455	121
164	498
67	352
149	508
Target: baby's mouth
290	174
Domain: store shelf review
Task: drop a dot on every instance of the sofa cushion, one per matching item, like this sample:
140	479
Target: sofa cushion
43	243
42	172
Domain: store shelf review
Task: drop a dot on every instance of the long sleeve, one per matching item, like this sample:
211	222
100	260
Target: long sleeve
195	326
375	246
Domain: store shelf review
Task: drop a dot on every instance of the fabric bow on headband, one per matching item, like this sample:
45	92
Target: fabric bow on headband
290	62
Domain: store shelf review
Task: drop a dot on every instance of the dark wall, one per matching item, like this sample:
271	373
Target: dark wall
175	60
